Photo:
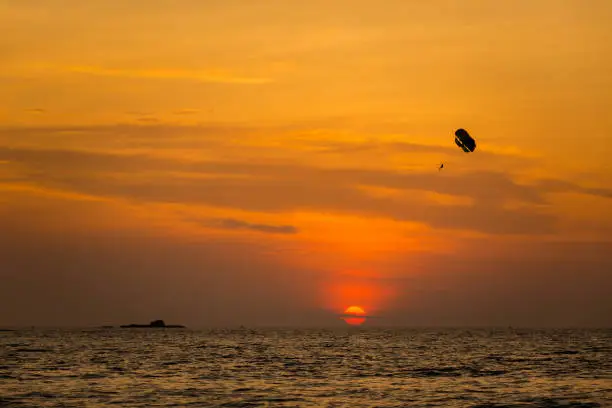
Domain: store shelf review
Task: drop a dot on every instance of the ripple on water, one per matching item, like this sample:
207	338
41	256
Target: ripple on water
452	368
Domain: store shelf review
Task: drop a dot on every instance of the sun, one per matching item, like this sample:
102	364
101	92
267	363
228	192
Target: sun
354	311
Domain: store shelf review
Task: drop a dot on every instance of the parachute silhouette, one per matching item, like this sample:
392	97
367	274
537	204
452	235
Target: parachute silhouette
465	141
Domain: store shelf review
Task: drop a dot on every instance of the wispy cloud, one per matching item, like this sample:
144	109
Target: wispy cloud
148	119
561	186
213	76
138	113
233	224
36	110
284	139
162	167
186	111
285	187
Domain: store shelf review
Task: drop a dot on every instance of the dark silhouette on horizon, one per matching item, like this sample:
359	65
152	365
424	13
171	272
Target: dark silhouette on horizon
153	324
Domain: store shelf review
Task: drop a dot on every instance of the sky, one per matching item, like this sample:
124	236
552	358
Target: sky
271	163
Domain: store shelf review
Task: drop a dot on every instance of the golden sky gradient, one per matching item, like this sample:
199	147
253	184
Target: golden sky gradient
274	162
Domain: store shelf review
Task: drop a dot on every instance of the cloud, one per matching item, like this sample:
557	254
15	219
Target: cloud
482	186
92	276
186	112
233	224
36	110
347	147
500	159
252	182
211	76
148	119
265	187
138	113
522	283
318	145
561	186
85	276
125	135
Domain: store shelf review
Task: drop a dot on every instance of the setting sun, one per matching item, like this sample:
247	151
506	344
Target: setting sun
354	311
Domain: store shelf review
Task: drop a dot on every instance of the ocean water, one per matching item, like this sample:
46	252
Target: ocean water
350	367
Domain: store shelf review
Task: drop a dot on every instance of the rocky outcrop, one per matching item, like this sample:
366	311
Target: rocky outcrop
153	324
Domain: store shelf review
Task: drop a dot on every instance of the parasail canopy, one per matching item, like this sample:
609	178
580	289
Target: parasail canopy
464	140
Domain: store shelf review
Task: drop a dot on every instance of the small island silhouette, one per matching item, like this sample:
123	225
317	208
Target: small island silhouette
154	324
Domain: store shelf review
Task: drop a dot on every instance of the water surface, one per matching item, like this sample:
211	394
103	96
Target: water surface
302	368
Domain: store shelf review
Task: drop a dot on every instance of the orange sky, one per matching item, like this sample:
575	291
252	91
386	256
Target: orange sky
225	162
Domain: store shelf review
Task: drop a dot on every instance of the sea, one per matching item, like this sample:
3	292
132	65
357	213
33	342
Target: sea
344	367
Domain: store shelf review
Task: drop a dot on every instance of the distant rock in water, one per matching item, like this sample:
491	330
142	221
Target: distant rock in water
155	324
